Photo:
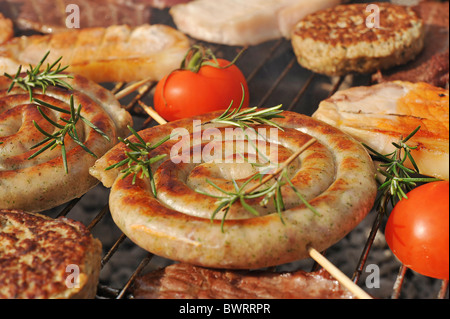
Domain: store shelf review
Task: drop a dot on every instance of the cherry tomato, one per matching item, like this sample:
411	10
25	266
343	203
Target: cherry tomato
417	230
199	89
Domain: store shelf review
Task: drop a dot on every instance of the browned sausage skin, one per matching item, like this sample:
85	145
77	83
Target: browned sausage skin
42	183
337	167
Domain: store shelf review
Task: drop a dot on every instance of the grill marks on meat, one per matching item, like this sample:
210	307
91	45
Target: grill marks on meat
386	112
183	281
49	16
242	243
113	54
41	183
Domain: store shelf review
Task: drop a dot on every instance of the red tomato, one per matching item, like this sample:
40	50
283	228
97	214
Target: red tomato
185	93
417	230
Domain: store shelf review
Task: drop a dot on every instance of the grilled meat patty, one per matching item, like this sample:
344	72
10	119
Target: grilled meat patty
338	40
46	258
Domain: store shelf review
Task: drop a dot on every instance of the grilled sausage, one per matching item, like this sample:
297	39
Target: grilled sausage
117	53
41	183
335	174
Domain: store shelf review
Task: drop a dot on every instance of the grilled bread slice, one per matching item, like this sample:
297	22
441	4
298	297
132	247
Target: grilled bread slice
384	113
46	258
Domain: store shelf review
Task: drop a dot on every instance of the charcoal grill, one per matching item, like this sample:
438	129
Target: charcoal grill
274	77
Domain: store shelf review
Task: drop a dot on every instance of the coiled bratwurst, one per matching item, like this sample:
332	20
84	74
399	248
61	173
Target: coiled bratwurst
334	176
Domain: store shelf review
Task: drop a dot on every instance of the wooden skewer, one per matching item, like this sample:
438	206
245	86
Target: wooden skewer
131	88
153	114
357	291
337	274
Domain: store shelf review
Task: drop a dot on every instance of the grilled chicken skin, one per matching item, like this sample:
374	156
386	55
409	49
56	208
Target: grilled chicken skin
384	113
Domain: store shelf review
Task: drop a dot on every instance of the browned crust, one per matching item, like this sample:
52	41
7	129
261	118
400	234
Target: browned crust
117	53
348	27
337	41
36	254
44	177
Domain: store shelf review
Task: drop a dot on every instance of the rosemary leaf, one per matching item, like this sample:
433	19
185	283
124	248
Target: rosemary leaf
398	181
43	79
138	160
57	138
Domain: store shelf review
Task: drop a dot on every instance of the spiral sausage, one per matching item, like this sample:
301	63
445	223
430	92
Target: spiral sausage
41	183
335	175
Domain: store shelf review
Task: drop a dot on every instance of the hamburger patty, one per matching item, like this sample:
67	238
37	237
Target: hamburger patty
339	40
45	258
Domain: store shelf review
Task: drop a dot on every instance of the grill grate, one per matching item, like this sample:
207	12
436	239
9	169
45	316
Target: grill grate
274	77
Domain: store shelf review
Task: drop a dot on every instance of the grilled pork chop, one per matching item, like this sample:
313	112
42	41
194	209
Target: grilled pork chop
49	16
183	281
113	54
256	21
384	113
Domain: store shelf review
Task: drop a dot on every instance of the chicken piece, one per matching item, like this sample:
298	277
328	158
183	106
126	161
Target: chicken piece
384	113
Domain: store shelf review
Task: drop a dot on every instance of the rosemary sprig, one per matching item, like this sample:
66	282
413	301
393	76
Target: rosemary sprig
273	192
399	179
57	138
226	202
138	160
250	116
37	78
